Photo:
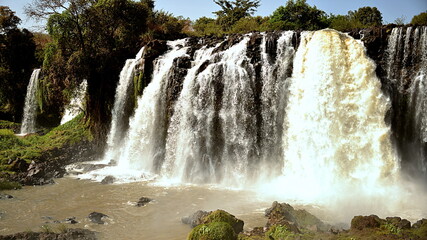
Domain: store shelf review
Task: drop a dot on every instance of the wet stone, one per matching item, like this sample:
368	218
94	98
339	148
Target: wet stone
71	220
143	201
5	196
97	217
108	180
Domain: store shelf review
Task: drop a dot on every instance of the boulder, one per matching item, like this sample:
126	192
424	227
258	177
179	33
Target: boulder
143	201
362	222
223	216
398	222
71	220
213	231
5	196
202	217
97	217
195	219
108	180
285	215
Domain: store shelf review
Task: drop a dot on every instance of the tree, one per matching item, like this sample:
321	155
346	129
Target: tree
205	26
233	11
420	19
16	62
400	20
367	16
8	20
90	40
298	15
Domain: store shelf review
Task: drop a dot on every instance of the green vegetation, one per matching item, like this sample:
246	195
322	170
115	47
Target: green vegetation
213	231
233	11
33	147
367	16
8	185
298	15
220	216
420	19
17	57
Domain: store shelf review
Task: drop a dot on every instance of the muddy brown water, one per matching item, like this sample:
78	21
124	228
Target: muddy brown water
35	207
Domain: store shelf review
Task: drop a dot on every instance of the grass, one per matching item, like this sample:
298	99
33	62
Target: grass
33	147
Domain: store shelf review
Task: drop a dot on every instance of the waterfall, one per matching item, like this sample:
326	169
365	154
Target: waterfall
313	116
77	103
406	62
275	73
122	97
183	147
143	147
335	138
30	107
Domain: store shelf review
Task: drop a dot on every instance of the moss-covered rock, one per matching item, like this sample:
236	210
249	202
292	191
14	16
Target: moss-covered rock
213	231
35	159
284	214
280	232
223	216
362	222
420	228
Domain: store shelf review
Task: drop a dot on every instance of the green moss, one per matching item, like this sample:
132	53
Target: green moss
279	232
32	147
9	125
421	231
220	216
213	231
8	140
7	185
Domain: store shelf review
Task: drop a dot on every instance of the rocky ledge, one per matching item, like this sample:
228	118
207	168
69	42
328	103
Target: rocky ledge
286	222
68	234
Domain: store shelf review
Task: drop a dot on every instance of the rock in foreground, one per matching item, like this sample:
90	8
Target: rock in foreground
69	234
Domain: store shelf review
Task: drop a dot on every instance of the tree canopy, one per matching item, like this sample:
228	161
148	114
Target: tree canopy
297	15
17	49
420	19
233	11
367	16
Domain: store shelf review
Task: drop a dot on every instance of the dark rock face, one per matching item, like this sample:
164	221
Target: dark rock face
108	180
420	223
69	234
143	201
195	219
284	214
398	222
362	222
52	163
97	217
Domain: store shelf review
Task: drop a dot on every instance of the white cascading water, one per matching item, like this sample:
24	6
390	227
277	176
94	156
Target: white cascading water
192	119
275	74
77	103
30	107
407	49
116	135
143	141
210	137
336	143
418	89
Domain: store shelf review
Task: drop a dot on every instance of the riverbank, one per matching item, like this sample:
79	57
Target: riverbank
53	206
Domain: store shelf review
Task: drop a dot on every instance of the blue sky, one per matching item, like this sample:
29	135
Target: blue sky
390	9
